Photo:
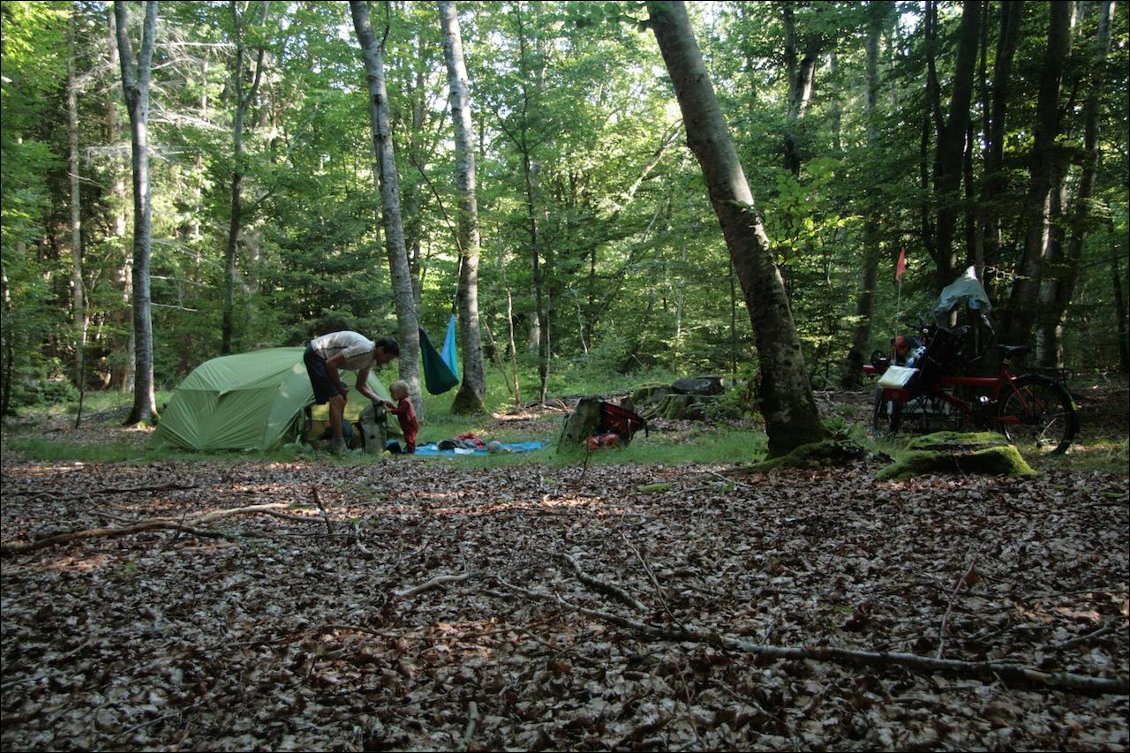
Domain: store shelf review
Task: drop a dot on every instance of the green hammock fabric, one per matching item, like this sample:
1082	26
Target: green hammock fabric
438	377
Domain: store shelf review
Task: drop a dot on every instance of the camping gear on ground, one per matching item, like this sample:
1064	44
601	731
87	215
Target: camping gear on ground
466	441
941	348
595	417
597	441
618	420
438	376
490	448
374	429
248	401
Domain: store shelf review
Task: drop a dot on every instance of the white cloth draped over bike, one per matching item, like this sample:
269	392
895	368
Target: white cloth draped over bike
966	289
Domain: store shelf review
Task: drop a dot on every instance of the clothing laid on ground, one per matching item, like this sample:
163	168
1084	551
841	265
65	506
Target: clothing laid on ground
409	424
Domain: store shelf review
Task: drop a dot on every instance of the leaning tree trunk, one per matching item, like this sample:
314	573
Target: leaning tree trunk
787	403
135	85
472	391
407	319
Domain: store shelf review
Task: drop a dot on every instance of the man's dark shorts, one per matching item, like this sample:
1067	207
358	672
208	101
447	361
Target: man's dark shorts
324	388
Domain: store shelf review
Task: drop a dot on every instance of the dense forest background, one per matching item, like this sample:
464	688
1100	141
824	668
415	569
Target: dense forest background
965	133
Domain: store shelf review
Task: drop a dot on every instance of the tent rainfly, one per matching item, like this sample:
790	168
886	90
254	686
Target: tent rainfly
248	401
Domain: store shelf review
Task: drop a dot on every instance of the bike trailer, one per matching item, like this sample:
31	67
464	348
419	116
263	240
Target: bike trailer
615	419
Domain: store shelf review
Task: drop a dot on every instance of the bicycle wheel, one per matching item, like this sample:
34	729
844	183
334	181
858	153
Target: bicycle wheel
1037	415
886	417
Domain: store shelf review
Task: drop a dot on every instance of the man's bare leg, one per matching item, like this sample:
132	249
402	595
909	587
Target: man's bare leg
337	413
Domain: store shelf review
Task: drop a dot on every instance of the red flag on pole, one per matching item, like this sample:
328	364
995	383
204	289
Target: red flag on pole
900	265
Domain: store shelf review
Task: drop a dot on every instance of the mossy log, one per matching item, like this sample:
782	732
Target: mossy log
829	453
676	407
650	393
982	453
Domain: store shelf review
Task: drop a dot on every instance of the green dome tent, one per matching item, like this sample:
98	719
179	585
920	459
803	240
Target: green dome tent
248	401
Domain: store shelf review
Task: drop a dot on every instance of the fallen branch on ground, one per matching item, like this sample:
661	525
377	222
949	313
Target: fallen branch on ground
605	588
185	524
436	582
988	670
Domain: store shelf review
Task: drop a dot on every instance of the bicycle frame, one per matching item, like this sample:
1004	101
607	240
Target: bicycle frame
990	387
1035	411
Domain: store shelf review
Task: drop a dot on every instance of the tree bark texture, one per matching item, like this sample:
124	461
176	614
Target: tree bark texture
951	135
243	100
135	86
786	399
877	21
408	321
472	391
78	311
1023	299
1062	287
995	184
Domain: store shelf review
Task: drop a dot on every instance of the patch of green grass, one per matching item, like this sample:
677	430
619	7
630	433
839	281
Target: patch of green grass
1101	454
709	445
48	450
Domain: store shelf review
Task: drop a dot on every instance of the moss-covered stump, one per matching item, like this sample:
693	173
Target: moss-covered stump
677	407
829	453
982	453
650	393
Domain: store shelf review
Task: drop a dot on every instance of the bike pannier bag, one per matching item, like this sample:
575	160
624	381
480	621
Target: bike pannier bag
897	377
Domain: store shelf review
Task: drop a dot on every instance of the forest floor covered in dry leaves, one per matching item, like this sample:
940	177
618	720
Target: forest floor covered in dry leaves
426	604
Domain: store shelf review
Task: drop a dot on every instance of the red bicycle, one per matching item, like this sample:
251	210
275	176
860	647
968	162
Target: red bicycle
1035	412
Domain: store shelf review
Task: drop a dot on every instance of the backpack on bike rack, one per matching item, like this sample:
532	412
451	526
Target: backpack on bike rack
945	354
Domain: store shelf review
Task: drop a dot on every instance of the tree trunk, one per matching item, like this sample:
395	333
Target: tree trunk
951	135
1022	302
996	181
1120	315
878	15
801	71
541	317
78	304
786	397
122	369
135	86
407	320
469	399
243	100
1063	287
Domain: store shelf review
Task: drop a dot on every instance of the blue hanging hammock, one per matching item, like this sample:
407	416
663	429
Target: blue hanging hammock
449	352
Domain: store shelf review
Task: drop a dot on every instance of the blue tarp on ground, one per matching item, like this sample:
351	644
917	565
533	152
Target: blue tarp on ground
433	449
